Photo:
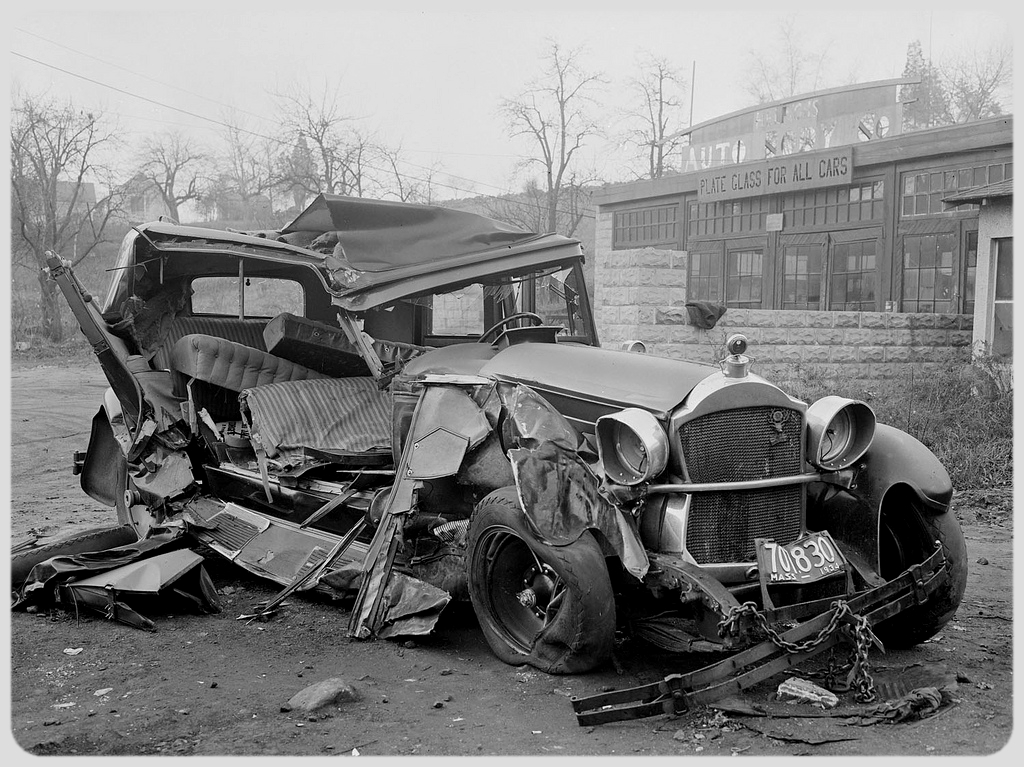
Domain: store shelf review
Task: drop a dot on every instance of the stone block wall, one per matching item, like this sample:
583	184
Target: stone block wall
641	295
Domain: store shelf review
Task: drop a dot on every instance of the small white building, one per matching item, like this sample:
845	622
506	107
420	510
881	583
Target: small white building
993	305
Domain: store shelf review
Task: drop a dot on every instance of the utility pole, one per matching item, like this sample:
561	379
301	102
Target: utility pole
693	77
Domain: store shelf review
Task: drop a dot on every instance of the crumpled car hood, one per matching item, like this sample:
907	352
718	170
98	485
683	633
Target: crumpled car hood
601	378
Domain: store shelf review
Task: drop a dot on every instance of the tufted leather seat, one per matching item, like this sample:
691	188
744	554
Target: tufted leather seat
229	366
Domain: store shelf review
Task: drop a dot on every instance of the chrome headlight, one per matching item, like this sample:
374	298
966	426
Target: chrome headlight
632	445
840	431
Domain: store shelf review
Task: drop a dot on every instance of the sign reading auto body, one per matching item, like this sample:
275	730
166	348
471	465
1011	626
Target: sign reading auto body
791	173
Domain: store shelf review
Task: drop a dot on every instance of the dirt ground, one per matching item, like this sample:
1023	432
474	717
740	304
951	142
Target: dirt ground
215	685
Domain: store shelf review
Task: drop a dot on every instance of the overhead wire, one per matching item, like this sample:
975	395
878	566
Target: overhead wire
285	144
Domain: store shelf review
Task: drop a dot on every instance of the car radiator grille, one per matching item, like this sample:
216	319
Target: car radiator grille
735	445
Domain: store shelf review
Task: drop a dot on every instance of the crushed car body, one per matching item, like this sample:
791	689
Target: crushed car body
410	404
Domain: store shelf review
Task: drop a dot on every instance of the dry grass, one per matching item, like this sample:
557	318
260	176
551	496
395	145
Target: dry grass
963	413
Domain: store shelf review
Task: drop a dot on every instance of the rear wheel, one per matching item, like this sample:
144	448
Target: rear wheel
907	536
551	607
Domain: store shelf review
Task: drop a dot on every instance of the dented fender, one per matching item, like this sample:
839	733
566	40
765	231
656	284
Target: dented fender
894	458
852	515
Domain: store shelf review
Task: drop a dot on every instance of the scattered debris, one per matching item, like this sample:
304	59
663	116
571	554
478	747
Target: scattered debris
738	706
802	691
330	691
895	683
917	704
107	581
809	740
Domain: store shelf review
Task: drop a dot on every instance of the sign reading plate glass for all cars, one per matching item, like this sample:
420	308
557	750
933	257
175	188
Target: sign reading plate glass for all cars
804	170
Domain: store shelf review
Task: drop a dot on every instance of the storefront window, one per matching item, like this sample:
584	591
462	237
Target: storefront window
705	277
853	276
802	267
923	191
928	273
744	279
836	205
728	217
642	227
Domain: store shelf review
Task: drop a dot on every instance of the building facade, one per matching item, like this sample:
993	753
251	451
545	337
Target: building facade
822	251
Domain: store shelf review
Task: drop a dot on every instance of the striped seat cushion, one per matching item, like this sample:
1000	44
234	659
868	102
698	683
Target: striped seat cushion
329	415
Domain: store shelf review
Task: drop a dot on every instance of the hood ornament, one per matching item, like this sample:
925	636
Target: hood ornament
737	364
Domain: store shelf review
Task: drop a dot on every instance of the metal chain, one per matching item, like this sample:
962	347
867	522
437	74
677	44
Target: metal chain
859	678
730	625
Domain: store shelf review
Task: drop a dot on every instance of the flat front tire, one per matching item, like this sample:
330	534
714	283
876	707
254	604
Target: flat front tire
907	536
551	607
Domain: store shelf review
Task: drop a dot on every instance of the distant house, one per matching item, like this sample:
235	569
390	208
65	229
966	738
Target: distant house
144	203
80	195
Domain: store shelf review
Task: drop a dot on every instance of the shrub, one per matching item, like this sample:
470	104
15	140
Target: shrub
961	410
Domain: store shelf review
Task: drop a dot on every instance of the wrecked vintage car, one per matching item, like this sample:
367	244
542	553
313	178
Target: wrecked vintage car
411	403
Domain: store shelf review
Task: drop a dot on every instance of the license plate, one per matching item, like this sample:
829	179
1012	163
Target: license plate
812	558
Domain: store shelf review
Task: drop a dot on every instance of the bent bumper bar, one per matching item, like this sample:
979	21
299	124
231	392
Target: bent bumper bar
678	692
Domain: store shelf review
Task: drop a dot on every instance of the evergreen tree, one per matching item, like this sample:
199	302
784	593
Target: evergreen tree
926	103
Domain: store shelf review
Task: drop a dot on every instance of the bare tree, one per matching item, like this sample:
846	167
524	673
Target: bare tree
415	185
655	115
248	164
789	69
175	167
54	177
973	81
528	209
553	113
330	153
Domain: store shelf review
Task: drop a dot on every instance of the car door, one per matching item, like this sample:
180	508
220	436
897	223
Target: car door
119	367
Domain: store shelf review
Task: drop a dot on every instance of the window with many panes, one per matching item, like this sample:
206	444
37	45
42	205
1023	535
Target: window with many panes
704	281
928	281
853	276
922	191
744	279
802	276
643	227
728	217
834	205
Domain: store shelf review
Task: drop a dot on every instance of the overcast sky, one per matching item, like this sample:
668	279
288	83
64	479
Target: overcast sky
433	79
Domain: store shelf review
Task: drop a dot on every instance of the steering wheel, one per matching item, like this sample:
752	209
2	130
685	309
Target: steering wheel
537	320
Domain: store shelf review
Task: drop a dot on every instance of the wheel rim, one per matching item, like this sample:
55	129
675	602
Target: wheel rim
523	592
